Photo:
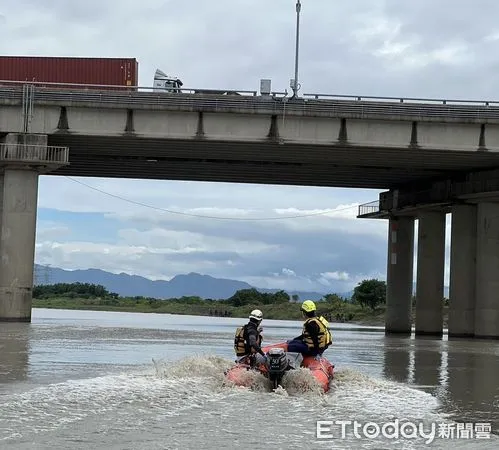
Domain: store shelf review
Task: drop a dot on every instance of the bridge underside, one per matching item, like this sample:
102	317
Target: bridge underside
265	163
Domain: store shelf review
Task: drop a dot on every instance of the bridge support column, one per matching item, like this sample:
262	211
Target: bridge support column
487	272
22	158
399	275
430	273
17	246
462	292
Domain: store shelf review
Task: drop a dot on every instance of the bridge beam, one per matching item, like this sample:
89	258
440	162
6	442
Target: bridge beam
466	187
22	158
399	275
430	273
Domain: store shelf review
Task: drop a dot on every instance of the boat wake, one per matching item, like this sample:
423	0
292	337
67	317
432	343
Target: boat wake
183	401
210	370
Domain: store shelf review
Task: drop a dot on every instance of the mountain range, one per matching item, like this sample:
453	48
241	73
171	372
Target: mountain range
192	284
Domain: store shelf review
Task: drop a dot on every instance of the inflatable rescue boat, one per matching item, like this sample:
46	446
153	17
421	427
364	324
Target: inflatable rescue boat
279	361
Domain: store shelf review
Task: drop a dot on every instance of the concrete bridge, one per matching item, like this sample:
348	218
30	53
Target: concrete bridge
403	145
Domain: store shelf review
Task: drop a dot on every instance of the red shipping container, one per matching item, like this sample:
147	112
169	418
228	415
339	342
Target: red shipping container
97	71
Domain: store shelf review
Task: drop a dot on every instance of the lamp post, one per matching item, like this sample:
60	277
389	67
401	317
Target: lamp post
295	86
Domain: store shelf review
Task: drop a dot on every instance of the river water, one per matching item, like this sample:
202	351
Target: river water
111	380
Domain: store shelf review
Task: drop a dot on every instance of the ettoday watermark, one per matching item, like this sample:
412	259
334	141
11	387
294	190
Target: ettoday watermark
397	429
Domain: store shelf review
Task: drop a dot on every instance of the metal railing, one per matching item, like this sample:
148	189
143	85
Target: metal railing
250	93
410	100
369	208
114	87
277	103
27	153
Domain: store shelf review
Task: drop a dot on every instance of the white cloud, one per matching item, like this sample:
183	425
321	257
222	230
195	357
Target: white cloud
49	230
493	36
184	242
327	276
288	272
141	260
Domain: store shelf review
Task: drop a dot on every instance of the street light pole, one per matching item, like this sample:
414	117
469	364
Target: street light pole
295	81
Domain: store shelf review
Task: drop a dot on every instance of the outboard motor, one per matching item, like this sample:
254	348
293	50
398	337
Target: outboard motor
277	365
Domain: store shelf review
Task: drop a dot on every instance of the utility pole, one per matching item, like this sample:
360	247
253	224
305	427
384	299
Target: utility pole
295	85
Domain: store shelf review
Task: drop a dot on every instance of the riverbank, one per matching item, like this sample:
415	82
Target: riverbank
338	312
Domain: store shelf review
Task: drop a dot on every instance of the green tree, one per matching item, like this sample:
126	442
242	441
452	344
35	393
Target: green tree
281	297
333	299
193	299
246	297
370	293
72	290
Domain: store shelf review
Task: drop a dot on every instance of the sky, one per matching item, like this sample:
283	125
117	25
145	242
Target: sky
444	49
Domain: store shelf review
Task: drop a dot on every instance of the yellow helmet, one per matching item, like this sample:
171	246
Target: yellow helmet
308	306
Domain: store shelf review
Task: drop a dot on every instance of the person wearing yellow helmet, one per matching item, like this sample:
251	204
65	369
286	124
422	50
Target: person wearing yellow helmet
315	337
308	306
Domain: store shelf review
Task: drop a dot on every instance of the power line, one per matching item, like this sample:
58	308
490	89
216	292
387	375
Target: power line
201	216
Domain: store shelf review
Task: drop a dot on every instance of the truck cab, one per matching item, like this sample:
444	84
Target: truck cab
166	83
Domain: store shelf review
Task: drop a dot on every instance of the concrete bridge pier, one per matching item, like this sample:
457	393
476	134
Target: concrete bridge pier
399	275
487	272
17	245
23	157
463	272
430	273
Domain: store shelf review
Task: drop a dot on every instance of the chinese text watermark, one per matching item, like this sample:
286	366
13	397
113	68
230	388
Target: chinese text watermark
397	429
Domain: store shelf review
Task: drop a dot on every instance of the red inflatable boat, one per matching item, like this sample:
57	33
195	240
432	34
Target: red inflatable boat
278	363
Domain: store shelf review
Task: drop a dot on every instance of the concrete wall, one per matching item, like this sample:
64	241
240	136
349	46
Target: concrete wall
309	129
462	291
226	126
487	271
449	136
430	273
379	133
165	123
399	275
11	119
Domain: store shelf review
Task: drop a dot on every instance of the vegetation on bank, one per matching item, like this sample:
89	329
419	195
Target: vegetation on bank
366	306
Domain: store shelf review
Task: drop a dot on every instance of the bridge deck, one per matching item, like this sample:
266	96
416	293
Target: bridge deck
389	160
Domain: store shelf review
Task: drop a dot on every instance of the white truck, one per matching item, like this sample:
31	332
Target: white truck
166	83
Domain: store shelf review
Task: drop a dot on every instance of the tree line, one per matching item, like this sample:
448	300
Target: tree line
72	290
368	293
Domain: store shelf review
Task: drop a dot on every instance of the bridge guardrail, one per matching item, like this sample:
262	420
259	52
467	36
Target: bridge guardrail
410	100
337	105
369	208
28	153
251	93
111	88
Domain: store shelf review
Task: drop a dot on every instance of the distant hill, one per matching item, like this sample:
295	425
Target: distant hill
192	284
